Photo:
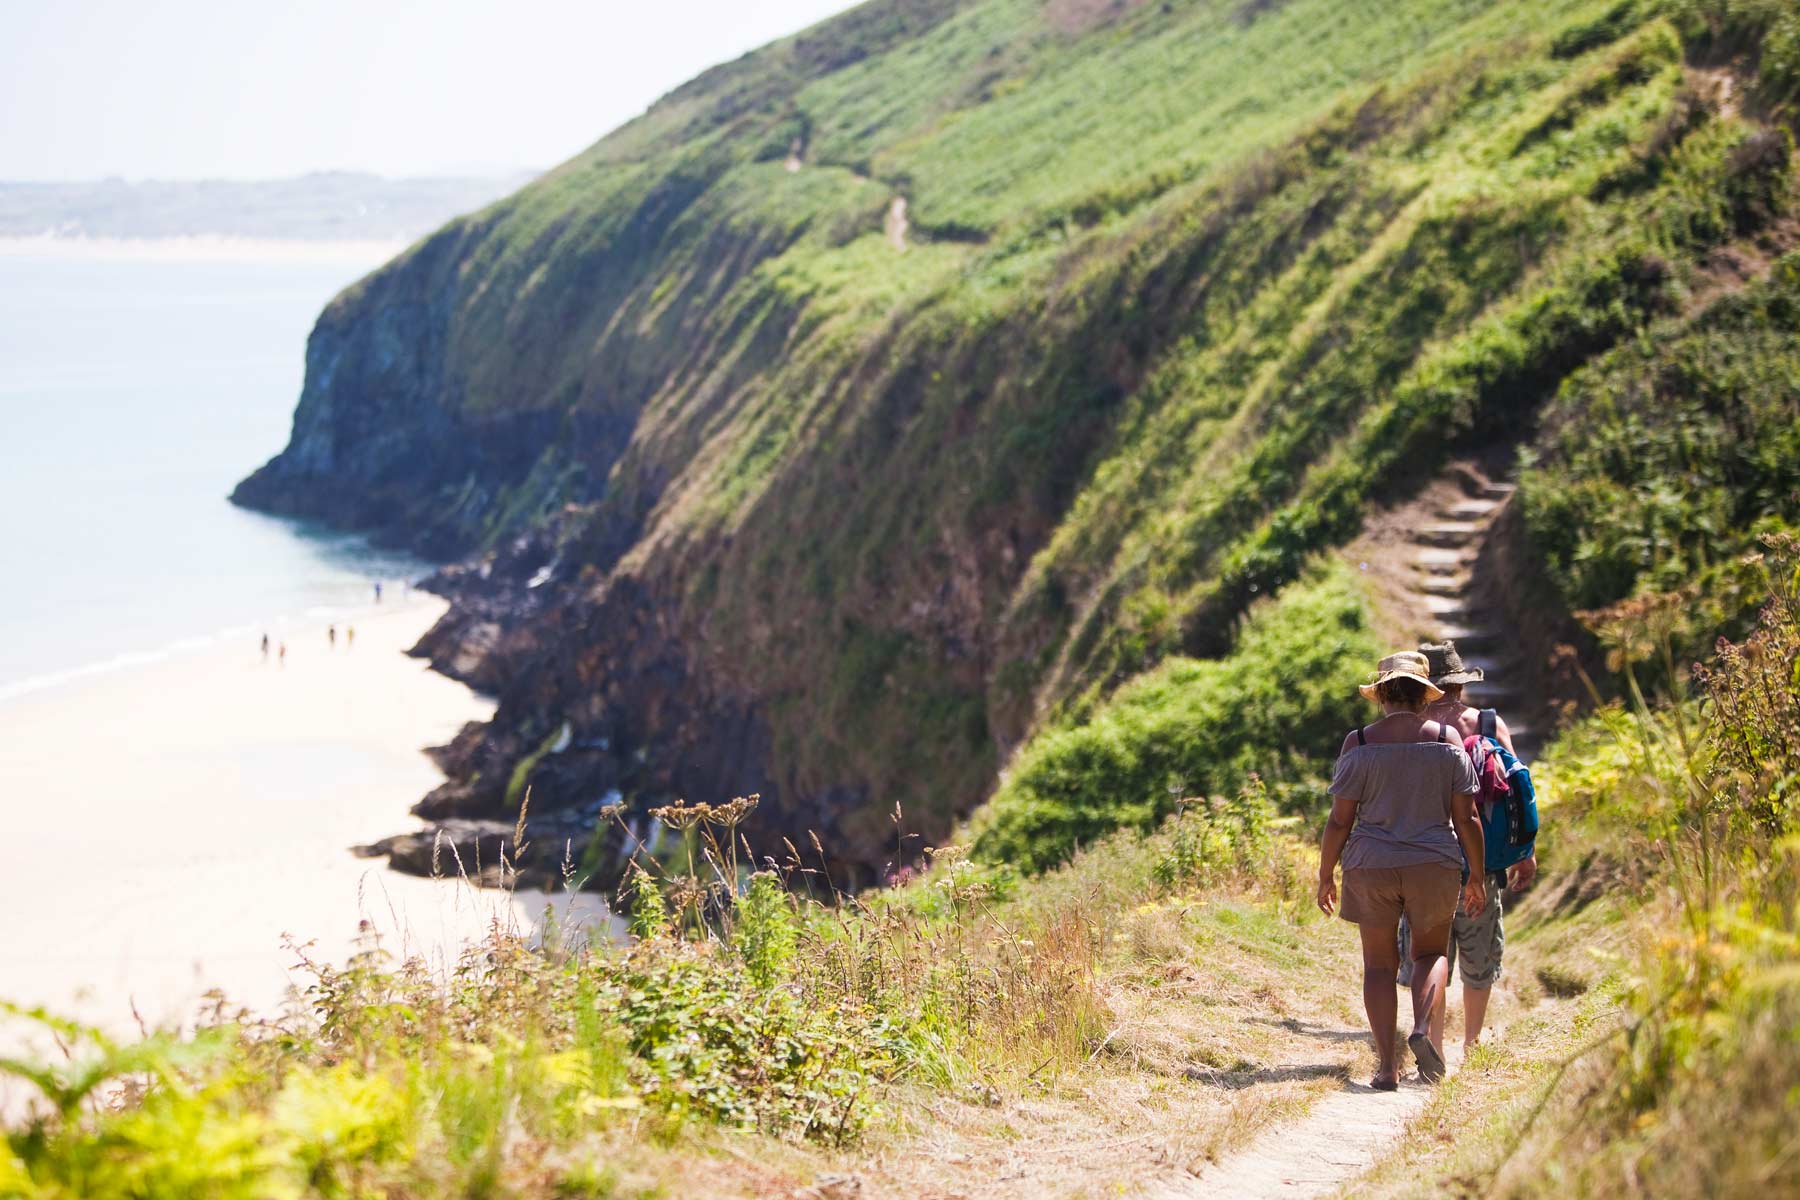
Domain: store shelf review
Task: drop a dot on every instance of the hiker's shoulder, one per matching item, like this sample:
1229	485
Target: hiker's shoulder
1441	733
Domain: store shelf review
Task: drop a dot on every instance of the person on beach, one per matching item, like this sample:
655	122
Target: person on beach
1476	942
1402	822
378	591
265	647
350	637
281	654
331	636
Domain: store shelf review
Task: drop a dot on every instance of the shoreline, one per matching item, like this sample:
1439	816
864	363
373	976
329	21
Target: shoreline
177	819
246	632
208	247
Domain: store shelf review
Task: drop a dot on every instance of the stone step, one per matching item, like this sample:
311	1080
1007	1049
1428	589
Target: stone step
1486	663
1434	556
1444	585
1466	637
1451	610
1469	510
1497	491
1492	695
1448	534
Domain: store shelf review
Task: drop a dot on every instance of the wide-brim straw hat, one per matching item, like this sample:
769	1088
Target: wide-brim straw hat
1447	666
1407	664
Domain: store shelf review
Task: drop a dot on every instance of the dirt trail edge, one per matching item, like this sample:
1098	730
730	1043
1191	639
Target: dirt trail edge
1339	1138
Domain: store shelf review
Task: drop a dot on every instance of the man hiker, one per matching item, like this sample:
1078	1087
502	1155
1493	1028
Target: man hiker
1450	674
1475	942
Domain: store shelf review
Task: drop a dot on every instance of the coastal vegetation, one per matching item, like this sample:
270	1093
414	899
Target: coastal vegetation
1663	1050
769	497
1274	708
755	1036
995	557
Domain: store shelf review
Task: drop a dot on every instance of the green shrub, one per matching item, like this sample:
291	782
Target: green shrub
1278	704
1698	1094
1661	461
649	909
1768	31
1583	36
764	932
1210	837
707	1045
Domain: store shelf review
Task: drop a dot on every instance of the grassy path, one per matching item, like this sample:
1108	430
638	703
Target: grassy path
1343	1136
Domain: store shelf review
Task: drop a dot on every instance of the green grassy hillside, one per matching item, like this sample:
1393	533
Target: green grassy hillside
1105	1028
1013	510
846	502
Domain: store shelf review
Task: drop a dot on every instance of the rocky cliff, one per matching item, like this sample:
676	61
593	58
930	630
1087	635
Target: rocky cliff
880	399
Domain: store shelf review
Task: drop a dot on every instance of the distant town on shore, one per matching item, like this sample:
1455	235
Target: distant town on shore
321	206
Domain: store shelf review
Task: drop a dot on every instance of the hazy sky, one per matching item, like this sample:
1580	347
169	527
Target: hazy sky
177	89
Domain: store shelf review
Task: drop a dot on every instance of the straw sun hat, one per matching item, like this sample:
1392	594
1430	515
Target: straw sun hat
1407	664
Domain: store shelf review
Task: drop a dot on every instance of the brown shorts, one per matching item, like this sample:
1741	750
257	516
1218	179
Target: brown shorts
1426	893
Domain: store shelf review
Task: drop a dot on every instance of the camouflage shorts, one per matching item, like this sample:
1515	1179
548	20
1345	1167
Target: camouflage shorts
1476	942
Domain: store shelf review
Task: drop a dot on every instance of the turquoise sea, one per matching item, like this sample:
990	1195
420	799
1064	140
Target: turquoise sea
134	392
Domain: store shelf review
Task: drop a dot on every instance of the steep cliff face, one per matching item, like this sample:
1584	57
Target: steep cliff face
761	489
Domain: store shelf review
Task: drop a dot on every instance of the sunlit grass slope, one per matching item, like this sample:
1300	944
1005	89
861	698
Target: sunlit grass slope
1180	290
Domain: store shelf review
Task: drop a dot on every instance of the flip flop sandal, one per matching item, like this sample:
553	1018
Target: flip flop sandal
1431	1063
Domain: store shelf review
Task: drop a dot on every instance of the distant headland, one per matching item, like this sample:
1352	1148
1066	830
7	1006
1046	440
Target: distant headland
329	206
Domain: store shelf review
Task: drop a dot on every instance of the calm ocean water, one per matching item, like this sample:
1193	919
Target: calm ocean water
133	395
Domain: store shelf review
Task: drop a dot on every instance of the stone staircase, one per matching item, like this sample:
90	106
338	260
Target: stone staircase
1445	546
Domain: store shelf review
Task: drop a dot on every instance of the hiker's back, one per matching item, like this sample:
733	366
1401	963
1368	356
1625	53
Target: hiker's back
1402	790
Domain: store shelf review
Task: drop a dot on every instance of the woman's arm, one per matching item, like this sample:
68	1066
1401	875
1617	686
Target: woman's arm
1331	848
1474	847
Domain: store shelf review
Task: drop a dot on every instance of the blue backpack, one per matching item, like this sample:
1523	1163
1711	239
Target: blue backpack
1509	819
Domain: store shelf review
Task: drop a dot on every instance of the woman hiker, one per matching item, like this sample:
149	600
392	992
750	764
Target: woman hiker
1402	821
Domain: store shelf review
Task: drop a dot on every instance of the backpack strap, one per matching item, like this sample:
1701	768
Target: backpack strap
1360	739
1443	732
1490	722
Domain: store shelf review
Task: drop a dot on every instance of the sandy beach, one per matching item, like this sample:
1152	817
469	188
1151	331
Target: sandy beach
171	823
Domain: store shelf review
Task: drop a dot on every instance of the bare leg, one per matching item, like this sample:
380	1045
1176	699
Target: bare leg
1475	1002
1431	976
1438	1011
1381	960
